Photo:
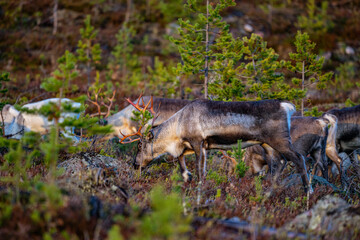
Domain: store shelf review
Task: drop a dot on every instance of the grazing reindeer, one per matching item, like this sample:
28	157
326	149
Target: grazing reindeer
348	128
122	122
309	135
331	149
17	123
205	124
347	134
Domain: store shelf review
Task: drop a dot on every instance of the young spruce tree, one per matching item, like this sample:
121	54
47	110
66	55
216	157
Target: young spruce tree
261	72
206	46
89	53
307	66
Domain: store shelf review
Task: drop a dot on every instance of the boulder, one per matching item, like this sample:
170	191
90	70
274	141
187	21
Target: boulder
330	218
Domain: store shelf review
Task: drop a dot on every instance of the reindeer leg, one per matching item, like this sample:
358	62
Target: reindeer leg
321	162
184	172
286	150
273	161
200	153
203	158
299	162
331	152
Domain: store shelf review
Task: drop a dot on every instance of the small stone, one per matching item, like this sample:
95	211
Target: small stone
248	28
349	50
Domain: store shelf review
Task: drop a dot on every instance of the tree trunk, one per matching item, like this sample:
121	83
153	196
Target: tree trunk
302	87
88	64
128	11
55	16
206	50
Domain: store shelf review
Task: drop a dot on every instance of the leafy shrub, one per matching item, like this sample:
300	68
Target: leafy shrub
166	220
238	154
215	176
258	189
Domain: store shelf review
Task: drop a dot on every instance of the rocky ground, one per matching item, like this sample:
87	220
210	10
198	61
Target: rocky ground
100	192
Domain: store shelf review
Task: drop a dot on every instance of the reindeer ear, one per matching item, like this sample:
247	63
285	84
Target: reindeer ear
9	110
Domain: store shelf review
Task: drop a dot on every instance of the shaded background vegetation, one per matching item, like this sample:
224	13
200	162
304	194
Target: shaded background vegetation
137	57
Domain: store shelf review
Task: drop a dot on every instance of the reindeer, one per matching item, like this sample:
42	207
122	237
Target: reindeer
347	138
204	124
309	136
348	128
122	121
17	123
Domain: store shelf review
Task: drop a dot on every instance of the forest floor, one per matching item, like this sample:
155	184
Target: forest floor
98	192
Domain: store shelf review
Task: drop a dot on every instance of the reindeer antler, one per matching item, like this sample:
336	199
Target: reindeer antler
153	112
142	108
130	135
111	100
102	103
227	158
96	101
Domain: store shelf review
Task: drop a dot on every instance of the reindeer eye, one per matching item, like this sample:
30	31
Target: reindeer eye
150	136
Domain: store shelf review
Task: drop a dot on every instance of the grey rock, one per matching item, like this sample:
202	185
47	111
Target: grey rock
330	217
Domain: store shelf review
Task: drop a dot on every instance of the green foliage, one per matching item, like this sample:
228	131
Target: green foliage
4	77
230	200
258	189
169	9
51	151
349	103
163	80
123	57
238	154
262	72
307	64
125	67
114	233
314	112
142	118
296	203
177	180
345	78
6	209
102	93
217	177
124	64
17	163
61	77
206	46
165	221
258	76
218	193
88	52
268	6
241	169
316	21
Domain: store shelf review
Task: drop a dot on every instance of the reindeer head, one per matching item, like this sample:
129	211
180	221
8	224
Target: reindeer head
144	146
144	154
13	121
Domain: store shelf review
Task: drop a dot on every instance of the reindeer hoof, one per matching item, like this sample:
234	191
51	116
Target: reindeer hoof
187	176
